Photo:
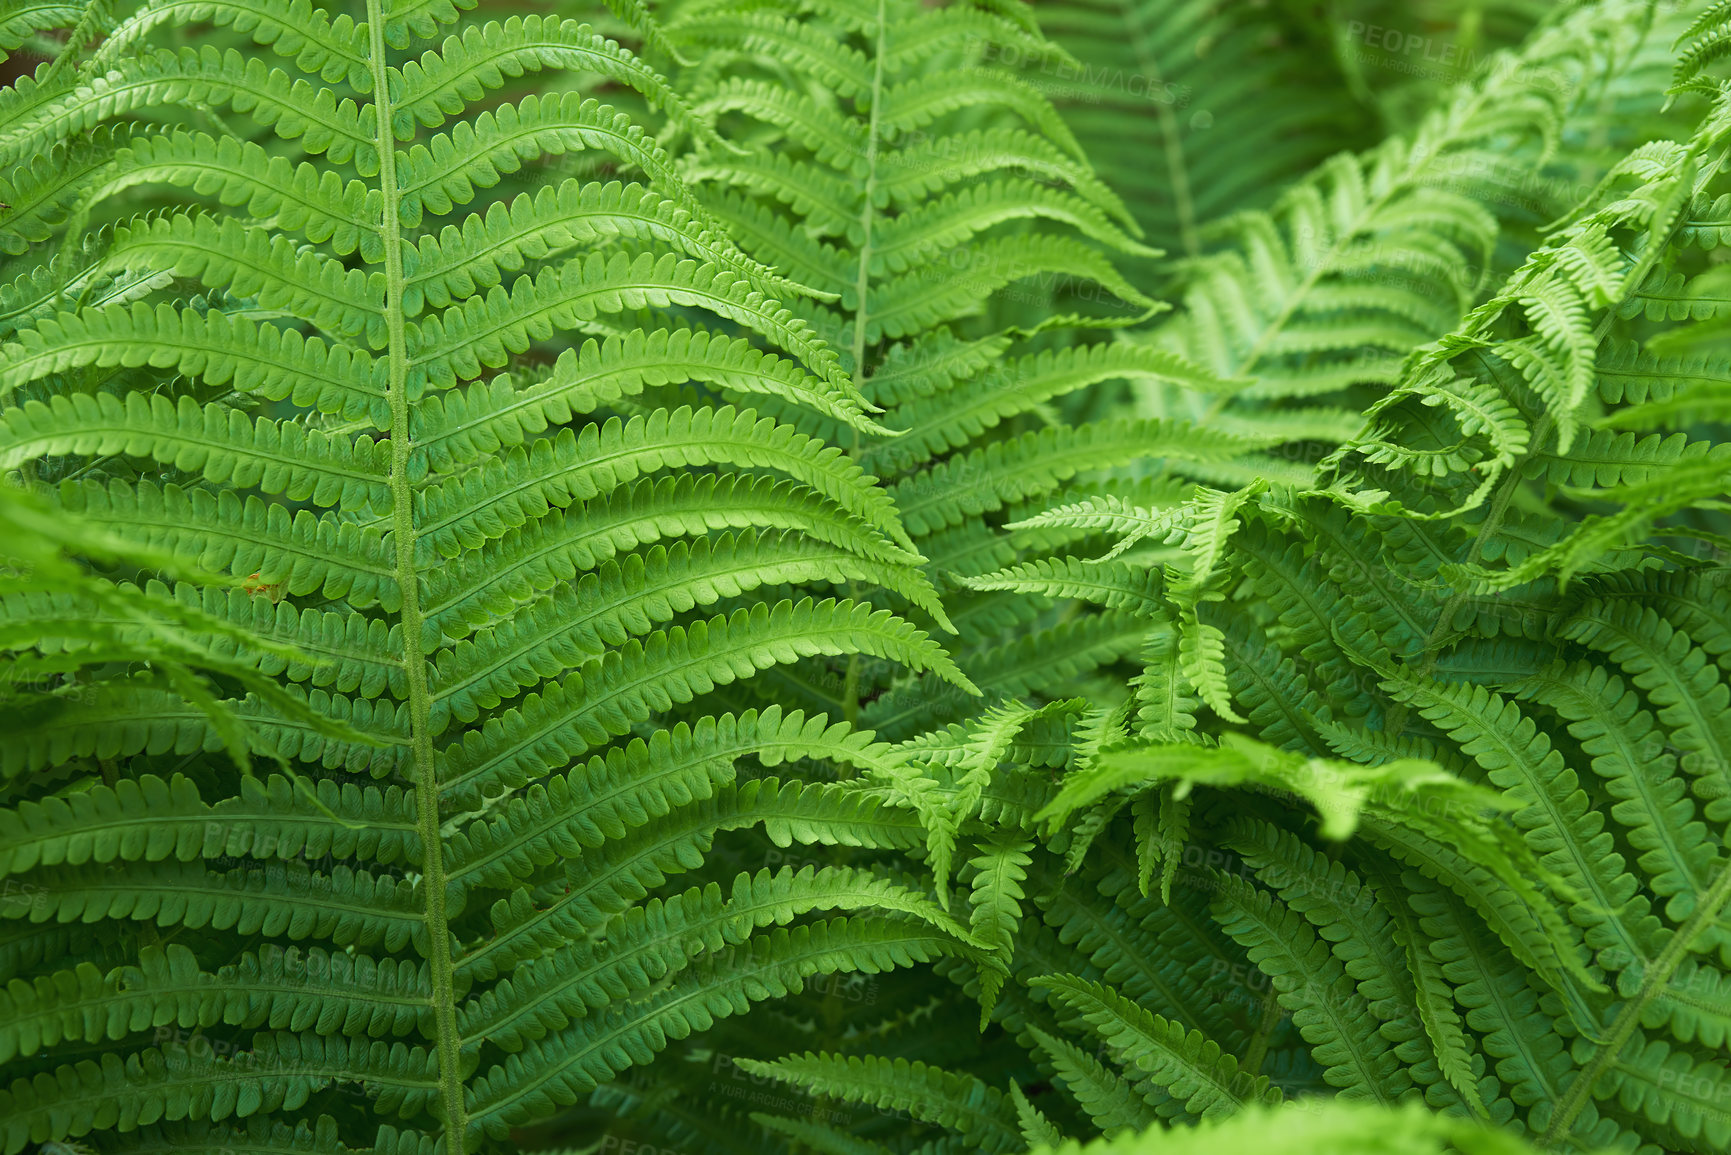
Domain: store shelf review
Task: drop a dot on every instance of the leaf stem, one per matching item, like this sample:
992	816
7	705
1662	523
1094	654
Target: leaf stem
1258	1052
448	1041
1183	202
862	310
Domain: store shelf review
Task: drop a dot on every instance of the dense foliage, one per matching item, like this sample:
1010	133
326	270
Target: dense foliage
866	577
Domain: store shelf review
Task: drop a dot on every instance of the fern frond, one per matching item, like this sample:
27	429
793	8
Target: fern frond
982	1114
1325	1007
1186	1065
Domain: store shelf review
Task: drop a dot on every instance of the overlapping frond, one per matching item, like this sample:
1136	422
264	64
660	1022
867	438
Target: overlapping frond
939	197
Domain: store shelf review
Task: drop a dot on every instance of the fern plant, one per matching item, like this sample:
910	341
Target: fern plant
1383	649
476	605
474	482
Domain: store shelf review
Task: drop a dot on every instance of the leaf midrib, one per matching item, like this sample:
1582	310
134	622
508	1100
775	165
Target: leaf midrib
448	1039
